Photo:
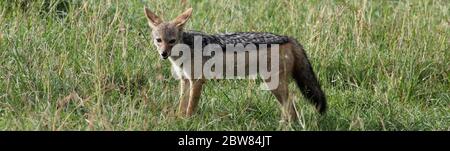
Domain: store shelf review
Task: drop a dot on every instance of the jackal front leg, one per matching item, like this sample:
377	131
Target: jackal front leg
194	95
184	96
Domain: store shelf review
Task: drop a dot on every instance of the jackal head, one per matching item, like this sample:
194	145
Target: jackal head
166	34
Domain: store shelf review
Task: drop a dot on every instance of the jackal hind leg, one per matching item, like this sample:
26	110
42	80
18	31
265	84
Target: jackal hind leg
281	93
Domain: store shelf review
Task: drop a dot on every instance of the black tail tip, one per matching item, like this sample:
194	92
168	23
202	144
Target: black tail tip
322	107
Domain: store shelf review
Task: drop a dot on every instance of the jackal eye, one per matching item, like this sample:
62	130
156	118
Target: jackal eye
158	40
172	41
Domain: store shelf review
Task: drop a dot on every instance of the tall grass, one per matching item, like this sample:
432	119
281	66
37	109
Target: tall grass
90	65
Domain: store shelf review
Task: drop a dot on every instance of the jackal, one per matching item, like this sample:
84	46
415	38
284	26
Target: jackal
293	61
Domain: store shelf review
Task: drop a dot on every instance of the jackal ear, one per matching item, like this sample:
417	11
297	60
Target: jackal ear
183	18
153	20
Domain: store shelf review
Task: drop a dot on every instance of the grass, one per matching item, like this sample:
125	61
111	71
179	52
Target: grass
90	65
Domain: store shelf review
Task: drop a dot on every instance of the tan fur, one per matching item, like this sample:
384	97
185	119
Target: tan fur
193	87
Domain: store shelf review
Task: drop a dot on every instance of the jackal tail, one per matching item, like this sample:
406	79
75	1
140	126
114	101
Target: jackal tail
306	80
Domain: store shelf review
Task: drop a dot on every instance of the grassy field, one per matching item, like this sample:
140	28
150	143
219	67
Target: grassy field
90	65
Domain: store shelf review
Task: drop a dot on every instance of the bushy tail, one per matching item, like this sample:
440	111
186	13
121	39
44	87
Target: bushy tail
306	79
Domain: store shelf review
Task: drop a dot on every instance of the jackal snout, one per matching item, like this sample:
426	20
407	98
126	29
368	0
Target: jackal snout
164	49
165	54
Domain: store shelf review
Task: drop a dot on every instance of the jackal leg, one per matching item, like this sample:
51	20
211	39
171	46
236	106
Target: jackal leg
289	112
194	95
184	96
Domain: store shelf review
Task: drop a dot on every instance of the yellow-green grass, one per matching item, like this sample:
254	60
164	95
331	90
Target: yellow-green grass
90	65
